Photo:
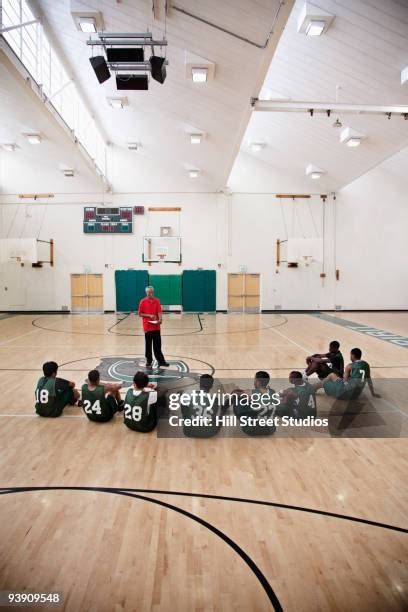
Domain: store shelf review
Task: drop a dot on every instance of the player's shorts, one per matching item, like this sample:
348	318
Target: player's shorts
341	389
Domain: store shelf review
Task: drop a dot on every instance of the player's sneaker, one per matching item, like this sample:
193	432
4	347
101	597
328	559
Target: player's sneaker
164	364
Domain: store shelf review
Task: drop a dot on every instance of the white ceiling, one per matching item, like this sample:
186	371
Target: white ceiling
162	117
359	61
36	168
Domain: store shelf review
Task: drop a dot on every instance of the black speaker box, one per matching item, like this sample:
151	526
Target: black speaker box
132	81
158	69
100	67
124	55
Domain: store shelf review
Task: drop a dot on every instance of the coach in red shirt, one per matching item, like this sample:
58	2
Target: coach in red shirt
151	312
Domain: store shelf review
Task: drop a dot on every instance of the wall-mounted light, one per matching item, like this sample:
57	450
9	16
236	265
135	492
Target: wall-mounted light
193	173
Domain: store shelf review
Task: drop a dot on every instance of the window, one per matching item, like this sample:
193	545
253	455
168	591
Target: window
31	45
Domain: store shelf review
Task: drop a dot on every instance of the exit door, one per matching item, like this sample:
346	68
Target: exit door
86	293
244	292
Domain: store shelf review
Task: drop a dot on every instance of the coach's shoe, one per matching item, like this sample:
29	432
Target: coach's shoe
164	364
149	364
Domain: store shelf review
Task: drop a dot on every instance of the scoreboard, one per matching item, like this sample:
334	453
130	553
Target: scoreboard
108	220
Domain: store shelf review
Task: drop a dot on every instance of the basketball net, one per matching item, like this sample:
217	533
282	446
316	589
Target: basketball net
162	257
306	260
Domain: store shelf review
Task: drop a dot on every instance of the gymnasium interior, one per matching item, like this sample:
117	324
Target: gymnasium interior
242	165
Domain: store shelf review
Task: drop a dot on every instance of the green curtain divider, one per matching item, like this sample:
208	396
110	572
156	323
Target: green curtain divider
167	287
130	289
199	290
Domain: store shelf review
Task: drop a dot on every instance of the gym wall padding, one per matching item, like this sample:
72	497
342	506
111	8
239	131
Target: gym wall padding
199	290
167	287
130	289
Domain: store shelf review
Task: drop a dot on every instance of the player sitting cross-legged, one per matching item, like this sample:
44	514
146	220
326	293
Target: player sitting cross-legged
52	394
100	401
324	364
356	375
141	404
298	401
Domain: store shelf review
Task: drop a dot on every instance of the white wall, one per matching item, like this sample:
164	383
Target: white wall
365	231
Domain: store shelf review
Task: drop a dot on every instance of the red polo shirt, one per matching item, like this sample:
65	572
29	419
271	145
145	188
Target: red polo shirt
150	306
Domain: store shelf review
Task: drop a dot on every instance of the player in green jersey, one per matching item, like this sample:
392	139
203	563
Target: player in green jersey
356	375
324	364
204	408
100	401
257	407
298	401
52	394
140	411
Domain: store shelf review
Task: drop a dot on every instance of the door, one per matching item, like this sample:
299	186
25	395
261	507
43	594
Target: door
236	292
251	293
86	292
243	292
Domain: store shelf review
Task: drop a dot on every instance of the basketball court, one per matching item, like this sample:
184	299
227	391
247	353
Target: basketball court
183	161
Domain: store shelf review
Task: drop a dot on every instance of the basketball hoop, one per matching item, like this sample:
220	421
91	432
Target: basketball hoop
162	257
306	260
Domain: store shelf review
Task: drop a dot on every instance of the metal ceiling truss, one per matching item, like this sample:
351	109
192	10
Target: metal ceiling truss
136	39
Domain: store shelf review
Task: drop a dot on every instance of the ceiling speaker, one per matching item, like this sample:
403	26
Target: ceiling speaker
158	69
132	81
124	55
100	67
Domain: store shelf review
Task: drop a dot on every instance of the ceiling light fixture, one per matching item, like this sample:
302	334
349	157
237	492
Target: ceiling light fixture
88	22
69	172
315	28
118	103
199	75
351	137
9	147
257	146
33	138
196	138
134	146
404	76
193	173
87	25
313	21
314	172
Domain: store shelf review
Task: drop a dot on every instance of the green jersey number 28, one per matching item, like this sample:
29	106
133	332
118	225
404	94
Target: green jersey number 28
133	413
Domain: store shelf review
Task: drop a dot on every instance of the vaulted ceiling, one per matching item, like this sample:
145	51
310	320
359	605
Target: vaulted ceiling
162	118
358	60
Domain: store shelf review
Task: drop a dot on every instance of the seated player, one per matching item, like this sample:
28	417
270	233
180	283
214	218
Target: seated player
324	364
298	401
100	401
258	411
356	375
141	404
205	409
52	394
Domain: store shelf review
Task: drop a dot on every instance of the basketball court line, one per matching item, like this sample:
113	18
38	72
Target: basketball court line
141	335
125	492
373	332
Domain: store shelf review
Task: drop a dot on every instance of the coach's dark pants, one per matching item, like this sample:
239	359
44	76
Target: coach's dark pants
153	337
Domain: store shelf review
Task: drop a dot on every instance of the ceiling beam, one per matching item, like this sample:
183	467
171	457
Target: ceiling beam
282	106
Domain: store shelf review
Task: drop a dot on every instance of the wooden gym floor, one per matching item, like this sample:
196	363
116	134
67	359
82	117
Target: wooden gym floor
107	548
